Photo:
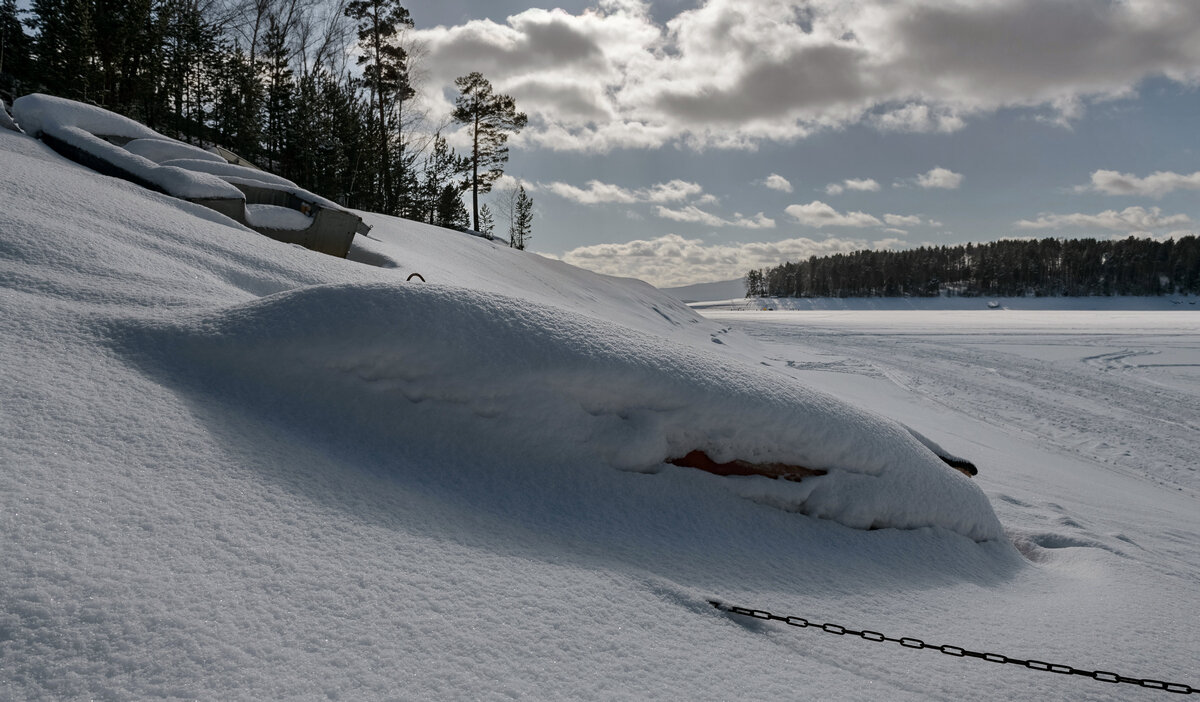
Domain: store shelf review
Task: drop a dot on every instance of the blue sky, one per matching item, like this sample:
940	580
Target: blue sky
686	141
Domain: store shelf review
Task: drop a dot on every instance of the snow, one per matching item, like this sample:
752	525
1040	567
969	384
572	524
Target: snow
224	168
6	121
724	289
38	113
238	469
162	150
77	125
275	217
254	179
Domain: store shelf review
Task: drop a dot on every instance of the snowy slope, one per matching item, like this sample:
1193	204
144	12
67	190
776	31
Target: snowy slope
236	469
720	290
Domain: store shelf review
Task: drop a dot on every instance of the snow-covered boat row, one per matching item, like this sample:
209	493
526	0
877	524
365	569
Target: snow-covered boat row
120	147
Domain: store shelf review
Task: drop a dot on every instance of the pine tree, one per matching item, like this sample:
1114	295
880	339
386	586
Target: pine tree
235	110
487	222
520	228
15	48
279	89
442	168
385	72
65	47
489	118
191	57
451	213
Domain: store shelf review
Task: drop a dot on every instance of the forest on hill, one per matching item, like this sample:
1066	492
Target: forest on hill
1007	268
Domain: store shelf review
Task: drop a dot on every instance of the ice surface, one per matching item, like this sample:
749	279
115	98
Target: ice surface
235	469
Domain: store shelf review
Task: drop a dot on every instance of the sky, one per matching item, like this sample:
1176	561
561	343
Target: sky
688	141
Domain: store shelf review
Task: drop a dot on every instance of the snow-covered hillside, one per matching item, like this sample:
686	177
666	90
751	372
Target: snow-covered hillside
236	469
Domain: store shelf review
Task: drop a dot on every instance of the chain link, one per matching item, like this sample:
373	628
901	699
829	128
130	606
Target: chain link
956	651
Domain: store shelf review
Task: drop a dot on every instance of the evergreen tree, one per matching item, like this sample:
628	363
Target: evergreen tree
65	47
487	222
15	49
520	228
119	25
1002	268
385	73
754	285
489	118
191	58
235	111
451	213
278	91
442	167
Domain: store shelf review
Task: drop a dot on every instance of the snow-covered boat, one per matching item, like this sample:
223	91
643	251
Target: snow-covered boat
120	147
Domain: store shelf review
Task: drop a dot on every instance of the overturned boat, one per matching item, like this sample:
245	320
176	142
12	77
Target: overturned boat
120	147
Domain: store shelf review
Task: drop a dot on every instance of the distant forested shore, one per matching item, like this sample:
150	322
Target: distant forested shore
1007	268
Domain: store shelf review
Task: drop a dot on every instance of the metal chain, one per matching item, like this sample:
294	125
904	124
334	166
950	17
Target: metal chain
956	651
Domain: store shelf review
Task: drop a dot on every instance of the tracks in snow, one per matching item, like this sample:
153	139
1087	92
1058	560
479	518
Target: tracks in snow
1114	408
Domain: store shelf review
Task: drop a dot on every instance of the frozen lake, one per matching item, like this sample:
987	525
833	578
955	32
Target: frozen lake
1118	388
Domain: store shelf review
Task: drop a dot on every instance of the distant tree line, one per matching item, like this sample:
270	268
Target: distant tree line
270	80
1046	267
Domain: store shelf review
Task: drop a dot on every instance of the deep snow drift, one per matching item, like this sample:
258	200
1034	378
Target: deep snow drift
238	469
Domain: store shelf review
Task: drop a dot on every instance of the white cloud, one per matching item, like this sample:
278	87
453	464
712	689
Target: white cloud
737	73
595	193
1154	185
508	182
691	213
1130	219
818	214
672	260
864	184
940	178
778	182
918	118
902	220
673	191
861	184
601	193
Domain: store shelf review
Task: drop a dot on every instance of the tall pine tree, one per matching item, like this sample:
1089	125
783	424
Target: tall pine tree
279	89
385	73
15	46
489	117
65	48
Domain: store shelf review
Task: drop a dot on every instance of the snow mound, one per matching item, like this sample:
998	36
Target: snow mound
441	363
